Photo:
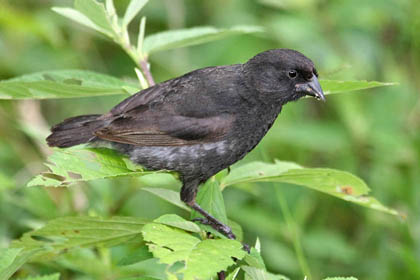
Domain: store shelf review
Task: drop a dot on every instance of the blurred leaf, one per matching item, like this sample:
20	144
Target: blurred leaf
254	259
193	36
201	259
96	12
177	222
333	86
63	84
137	256
6	182
55	276
76	164
168	195
12	259
72	232
210	198
340	278
260	274
133	9
77	16
337	183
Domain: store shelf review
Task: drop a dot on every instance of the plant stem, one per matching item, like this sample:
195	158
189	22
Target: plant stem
294	233
144	66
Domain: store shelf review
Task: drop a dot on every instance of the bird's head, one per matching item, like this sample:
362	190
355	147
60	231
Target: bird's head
283	75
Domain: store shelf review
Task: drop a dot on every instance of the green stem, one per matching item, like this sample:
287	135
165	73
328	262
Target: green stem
294	231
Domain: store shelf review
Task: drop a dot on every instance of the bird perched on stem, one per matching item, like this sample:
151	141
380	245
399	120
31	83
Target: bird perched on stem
201	122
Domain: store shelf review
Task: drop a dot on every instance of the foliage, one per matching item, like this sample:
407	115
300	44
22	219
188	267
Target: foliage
101	228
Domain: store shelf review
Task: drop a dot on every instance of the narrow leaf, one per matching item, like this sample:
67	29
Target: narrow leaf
77	164
254	273
133	9
201	259
210	198
168	195
337	183
96	12
12	259
193	36
63	84
333	86
78	17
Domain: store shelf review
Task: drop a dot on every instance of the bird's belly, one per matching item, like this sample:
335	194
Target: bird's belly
204	159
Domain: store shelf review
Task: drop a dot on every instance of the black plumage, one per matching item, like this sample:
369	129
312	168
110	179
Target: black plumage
201	122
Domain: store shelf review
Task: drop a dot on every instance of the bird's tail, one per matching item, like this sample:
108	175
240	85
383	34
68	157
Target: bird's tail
74	131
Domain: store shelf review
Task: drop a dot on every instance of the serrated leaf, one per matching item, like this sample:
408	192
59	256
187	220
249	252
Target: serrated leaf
260	274
333	86
73	232
177	222
78	164
201	259
133	9
63	84
341	184
55	276
168	195
78	17
210	198
193	36
96	12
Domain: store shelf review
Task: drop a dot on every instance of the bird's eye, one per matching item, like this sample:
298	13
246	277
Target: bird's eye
292	74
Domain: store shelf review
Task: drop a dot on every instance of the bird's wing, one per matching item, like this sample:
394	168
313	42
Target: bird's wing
152	129
168	114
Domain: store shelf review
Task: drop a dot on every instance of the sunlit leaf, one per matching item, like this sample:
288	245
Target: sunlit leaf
78	17
341	184
77	164
187	37
133	9
253	273
333	86
201	259
96	12
12	259
63	84
177	222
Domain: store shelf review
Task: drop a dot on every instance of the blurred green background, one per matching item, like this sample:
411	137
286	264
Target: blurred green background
374	134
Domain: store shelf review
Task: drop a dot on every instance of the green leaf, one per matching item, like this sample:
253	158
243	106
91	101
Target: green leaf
55	276
178	222
168	195
210	198
63	84
340	278
96	12
137	256
333	86
260	274
193	36
201	259
12	259
337	183
78	164
77	16
72	232
133	9
233	274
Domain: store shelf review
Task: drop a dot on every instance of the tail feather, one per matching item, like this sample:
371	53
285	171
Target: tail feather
74	131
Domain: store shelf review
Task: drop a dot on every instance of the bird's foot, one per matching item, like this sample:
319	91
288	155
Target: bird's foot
220	227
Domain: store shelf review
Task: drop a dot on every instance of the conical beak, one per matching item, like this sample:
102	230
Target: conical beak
312	88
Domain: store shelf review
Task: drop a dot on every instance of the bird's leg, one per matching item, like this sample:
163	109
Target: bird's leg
188	194
212	221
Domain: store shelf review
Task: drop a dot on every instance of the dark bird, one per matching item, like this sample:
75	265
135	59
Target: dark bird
201	122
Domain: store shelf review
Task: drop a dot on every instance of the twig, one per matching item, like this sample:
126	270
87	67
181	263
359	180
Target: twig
144	66
221	275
